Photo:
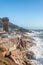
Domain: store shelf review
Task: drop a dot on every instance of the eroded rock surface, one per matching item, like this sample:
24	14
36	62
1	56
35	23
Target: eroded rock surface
16	49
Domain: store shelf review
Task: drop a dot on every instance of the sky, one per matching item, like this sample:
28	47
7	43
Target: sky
24	13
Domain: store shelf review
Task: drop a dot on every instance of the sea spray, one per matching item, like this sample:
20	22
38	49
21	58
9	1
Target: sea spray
38	48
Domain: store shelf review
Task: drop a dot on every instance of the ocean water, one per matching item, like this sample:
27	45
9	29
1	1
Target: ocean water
37	49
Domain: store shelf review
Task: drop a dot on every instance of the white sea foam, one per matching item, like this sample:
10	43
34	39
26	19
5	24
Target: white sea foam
37	49
36	62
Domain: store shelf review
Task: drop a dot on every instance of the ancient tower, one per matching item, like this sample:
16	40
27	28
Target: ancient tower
5	21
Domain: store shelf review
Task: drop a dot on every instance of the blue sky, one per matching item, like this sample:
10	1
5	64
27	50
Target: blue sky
25	13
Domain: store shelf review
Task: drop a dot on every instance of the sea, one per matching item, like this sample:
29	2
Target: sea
37	48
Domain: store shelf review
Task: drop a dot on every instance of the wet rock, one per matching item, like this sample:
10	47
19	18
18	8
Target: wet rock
29	63
29	55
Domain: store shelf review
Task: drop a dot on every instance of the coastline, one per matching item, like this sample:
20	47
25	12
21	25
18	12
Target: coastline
18	47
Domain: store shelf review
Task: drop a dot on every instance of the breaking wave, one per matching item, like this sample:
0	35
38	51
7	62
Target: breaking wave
37	49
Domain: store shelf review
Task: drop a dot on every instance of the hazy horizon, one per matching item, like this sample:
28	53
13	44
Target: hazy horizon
24	13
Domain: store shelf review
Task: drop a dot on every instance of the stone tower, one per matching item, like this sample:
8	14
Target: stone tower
5	21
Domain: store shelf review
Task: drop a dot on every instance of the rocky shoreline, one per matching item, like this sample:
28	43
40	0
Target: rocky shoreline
15	48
